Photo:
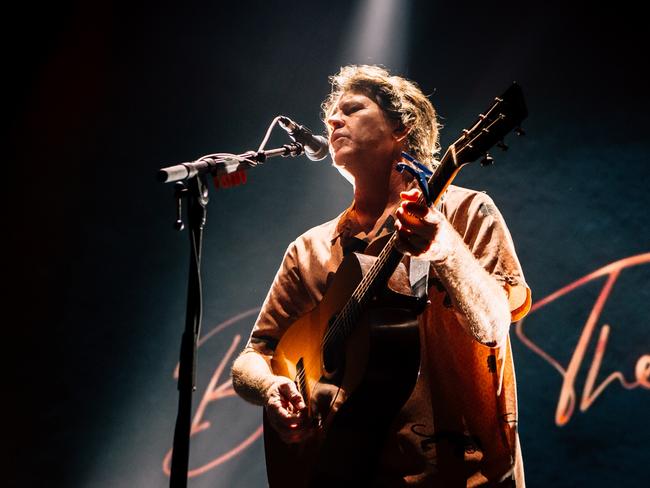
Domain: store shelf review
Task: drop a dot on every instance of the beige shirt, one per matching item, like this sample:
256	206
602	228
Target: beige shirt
459	427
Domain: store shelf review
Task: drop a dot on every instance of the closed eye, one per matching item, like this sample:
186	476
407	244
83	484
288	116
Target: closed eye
352	108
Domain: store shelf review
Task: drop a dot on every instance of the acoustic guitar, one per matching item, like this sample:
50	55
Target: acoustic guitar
355	357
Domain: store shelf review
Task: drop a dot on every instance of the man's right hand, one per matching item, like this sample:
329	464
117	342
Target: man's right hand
286	410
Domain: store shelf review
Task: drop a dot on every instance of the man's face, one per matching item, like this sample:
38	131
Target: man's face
361	135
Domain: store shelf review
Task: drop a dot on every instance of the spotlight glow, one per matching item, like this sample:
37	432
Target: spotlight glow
378	34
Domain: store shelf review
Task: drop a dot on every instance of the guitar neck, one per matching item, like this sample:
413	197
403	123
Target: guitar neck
442	177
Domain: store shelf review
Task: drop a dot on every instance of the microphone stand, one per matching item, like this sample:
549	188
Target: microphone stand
191	185
196	194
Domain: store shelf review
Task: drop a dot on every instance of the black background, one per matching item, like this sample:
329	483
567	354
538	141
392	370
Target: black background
99	95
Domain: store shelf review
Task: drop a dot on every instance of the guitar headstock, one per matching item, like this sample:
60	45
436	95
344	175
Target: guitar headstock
505	114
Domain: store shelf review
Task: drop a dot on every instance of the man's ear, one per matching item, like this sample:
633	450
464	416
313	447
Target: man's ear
400	132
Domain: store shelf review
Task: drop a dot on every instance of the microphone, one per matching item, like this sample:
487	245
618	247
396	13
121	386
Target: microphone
316	147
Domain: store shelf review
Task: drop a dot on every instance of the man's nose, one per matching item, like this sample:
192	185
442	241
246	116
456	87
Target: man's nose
335	121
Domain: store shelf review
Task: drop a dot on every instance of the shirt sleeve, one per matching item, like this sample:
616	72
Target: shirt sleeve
482	227
287	300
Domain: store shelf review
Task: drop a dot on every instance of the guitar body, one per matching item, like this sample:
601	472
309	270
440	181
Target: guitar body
353	403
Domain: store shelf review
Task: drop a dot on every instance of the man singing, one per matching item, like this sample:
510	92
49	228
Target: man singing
458	427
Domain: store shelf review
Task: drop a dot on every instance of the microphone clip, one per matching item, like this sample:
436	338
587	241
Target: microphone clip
315	147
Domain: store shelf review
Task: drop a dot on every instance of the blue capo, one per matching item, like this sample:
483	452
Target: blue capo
420	172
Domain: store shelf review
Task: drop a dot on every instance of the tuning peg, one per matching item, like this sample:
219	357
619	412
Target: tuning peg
502	145
487	160
520	132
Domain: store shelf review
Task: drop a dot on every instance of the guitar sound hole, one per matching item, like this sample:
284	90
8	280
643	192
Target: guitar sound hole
333	354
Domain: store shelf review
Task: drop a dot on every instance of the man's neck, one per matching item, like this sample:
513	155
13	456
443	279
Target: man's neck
373	198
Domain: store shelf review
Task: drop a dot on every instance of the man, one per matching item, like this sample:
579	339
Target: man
458	428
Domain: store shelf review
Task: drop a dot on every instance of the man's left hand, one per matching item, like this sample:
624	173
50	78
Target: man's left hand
423	231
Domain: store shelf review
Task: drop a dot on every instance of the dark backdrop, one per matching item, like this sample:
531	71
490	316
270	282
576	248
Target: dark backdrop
99	95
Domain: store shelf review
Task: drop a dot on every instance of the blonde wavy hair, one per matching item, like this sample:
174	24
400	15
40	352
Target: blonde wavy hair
401	100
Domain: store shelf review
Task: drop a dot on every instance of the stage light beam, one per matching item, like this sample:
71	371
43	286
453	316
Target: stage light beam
378	34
